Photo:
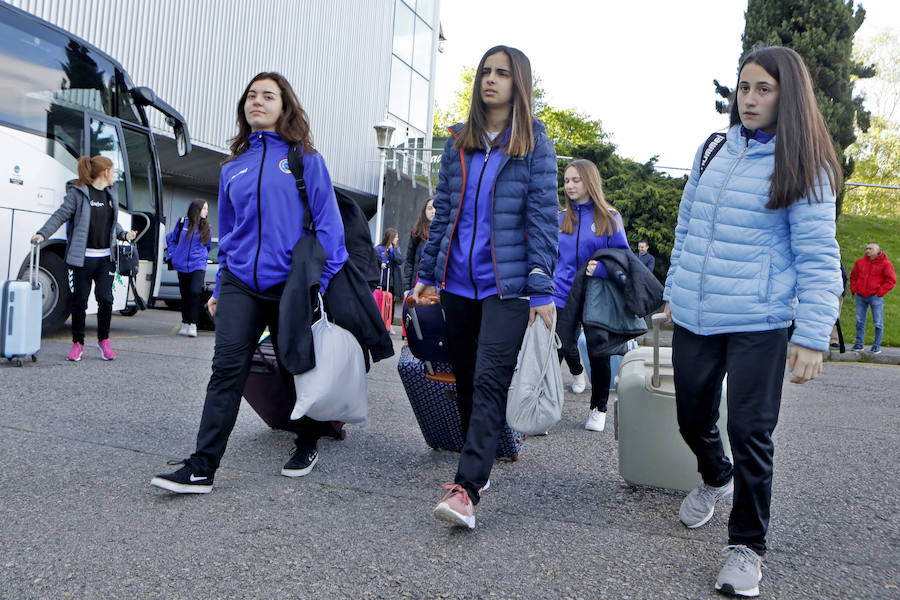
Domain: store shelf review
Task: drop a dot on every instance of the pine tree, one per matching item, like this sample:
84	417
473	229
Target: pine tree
821	31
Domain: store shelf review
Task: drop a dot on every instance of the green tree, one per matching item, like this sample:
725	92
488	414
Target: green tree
458	111
877	151
821	31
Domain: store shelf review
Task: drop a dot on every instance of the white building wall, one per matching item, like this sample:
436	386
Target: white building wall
199	55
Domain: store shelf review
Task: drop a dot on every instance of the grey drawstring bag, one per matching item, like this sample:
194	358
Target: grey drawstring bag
335	389
535	399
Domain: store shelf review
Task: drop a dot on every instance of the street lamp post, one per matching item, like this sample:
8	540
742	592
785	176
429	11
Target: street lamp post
383	131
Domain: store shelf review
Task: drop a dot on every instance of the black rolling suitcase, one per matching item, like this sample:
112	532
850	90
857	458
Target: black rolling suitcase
271	394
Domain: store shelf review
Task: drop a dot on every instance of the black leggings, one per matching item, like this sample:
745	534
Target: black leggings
241	316
191	287
754	362
98	271
601	370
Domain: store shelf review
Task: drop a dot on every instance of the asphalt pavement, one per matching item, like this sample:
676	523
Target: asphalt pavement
79	443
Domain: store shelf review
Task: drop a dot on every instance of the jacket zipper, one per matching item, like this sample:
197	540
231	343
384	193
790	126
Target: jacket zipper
259	213
713	226
578	241
475	220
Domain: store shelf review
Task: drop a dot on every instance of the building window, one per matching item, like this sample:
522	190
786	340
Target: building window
411	62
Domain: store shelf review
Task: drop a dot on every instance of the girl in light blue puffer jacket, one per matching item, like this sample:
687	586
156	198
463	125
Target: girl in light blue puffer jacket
754	251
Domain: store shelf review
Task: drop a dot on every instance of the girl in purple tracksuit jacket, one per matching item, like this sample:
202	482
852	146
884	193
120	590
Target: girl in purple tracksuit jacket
492	248
189	257
588	224
260	221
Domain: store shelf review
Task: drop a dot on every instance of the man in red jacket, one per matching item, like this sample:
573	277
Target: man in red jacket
872	277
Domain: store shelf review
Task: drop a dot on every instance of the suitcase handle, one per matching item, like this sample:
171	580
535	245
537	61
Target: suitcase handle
34	264
657	321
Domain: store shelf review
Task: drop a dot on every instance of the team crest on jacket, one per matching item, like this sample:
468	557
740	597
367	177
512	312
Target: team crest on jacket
283	165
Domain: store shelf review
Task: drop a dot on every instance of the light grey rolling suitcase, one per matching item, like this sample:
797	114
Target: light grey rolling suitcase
21	311
651	450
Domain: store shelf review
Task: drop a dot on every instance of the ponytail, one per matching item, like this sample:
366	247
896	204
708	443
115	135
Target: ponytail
89	168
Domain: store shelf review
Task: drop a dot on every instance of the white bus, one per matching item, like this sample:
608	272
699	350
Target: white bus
61	98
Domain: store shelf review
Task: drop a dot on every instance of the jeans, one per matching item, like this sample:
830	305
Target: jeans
241	316
191	287
99	271
862	304
483	337
754	363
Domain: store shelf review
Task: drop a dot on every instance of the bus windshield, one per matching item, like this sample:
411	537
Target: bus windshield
41	69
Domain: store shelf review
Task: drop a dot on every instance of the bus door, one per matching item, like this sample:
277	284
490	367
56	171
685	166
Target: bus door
104	138
145	206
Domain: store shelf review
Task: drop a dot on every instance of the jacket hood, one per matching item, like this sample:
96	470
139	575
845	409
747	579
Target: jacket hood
881	257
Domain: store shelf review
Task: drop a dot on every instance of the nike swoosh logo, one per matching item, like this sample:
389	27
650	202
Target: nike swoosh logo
193	478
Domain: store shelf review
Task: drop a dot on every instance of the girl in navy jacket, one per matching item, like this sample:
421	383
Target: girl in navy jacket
588	224
260	221
492	248
754	250
189	259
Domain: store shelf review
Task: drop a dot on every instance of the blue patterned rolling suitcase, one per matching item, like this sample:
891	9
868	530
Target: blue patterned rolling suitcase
433	400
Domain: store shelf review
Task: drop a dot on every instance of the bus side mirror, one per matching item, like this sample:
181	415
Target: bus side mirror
144	96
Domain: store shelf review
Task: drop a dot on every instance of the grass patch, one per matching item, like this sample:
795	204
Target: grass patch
853	233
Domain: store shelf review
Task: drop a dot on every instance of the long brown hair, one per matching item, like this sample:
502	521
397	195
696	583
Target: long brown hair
90	168
194	220
604	219
803	148
521	134
387	240
420	229
292	124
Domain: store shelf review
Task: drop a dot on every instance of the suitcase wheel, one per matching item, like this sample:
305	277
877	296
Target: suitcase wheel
34	358
19	362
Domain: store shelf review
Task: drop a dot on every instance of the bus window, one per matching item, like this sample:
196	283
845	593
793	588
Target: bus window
65	135
105	142
142	170
128	110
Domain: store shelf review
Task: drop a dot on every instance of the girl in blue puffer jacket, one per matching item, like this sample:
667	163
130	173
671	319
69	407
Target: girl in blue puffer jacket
189	257
588	224
492	249
754	249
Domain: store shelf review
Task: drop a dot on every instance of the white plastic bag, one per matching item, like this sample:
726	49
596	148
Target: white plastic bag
335	389
535	399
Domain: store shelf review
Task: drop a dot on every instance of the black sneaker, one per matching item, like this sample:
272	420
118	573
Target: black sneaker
184	481
301	462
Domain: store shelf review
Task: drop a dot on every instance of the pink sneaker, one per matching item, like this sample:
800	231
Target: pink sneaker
106	351
76	352
456	507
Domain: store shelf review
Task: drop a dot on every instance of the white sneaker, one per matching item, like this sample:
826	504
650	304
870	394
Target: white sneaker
579	383
596	420
183	330
192	330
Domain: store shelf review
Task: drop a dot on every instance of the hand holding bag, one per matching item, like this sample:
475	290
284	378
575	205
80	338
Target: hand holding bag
535	399
335	389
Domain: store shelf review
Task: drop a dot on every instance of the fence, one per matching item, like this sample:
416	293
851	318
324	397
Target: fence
868	200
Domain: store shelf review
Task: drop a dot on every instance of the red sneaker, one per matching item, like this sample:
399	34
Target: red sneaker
106	351
76	352
456	507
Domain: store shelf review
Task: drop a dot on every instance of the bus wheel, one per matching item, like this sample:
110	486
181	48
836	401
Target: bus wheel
129	311
54	278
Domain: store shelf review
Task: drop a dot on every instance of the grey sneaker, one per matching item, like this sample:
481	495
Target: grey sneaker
742	572
697	508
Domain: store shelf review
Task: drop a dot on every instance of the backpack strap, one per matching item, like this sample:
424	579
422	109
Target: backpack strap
179	226
295	163
711	147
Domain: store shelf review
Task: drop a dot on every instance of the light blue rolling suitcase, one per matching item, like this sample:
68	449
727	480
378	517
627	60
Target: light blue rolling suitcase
651	449
21	311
